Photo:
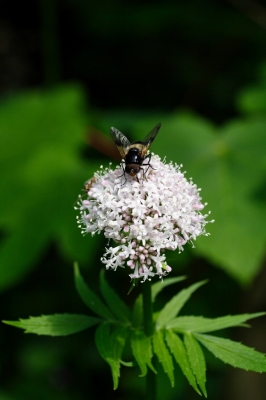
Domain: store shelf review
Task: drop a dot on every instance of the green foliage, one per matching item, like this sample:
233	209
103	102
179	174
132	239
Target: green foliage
202	61
41	168
117	306
201	324
141	350
41	174
172	308
90	298
162	352
179	352
55	325
252	99
196	360
228	163
160	285
233	353
110	346
175	338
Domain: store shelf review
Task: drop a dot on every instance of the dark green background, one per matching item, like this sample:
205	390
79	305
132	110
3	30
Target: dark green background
69	71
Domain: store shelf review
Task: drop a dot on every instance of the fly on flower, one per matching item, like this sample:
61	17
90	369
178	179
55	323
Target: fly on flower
134	154
163	213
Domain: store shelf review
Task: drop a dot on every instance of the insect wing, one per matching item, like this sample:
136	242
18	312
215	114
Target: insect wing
145	144
122	143
151	136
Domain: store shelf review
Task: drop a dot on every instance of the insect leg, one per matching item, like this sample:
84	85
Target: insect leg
124	172
148	163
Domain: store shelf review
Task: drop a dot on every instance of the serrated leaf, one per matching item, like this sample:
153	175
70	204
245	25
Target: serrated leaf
172	308
163	355
142	350
201	324
104	345
89	297
196	360
117	306
55	325
110	347
159	286
234	353
178	350
118	339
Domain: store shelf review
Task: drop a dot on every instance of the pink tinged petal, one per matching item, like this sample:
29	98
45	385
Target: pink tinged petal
142	258
163	204
198	206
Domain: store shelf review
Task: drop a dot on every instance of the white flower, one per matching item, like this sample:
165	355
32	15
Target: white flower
162	210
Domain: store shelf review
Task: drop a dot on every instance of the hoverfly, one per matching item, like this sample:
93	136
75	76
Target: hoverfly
134	154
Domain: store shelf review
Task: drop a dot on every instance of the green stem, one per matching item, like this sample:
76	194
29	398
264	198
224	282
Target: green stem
148	328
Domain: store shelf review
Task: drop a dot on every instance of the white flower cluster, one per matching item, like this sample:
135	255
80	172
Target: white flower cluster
160	210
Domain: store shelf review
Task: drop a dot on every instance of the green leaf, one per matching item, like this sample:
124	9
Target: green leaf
234	353
41	133
229	182
15	264
105	347
197	361
159	286
163	355
172	308
117	306
110	347
142	350
178	350
137	314
103	340
89	297
118	339
229	165
240	222
201	324
55	325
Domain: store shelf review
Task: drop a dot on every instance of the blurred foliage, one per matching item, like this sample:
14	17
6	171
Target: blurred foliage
160	60
42	169
41	175
252	99
229	164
